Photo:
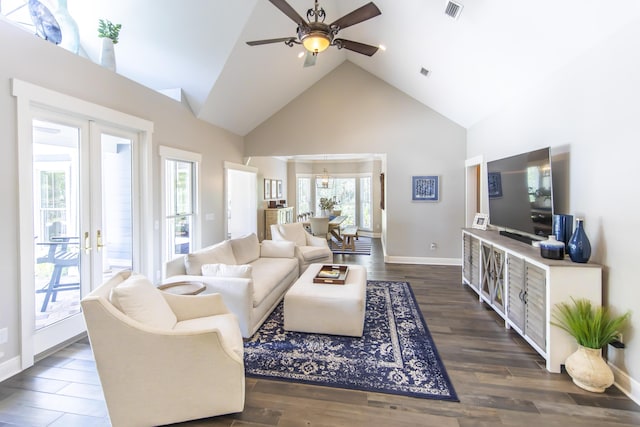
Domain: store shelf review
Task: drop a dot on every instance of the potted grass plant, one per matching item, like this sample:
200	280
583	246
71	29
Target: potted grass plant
593	327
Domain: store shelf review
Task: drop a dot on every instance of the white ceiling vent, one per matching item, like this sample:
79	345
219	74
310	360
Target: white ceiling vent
453	9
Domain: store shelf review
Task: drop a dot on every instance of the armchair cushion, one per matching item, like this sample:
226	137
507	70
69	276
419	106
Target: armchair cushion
277	249
221	253
139	299
226	270
293	232
245	249
312	254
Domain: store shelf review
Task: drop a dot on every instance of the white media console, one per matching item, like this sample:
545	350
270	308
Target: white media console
523	288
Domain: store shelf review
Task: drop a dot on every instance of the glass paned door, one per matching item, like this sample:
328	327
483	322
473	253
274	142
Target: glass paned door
56	221
114	223
83	227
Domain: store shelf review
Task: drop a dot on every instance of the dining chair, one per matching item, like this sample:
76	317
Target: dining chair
320	226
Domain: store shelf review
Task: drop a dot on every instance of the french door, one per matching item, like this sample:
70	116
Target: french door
83	218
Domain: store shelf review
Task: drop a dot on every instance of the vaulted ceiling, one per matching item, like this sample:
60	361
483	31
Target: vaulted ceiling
492	52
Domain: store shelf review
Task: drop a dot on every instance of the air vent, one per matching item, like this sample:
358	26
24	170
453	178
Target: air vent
424	71
453	9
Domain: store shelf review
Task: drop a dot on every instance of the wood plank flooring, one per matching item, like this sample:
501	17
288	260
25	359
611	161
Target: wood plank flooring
499	379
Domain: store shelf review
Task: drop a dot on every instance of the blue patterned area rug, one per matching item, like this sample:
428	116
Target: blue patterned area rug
395	355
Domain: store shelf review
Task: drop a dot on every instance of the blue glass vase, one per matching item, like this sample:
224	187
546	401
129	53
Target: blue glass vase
579	246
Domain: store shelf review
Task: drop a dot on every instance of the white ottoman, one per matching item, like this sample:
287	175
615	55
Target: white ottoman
325	308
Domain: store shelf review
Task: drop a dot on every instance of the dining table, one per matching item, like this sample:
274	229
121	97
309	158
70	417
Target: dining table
334	226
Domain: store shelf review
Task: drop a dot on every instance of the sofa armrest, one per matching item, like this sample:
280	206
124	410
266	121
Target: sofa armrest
236	292
174	267
277	249
187	307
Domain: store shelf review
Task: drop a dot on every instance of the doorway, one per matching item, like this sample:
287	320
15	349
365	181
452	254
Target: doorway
241	200
85	189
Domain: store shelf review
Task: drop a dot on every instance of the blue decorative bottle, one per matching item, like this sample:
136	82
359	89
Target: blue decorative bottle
579	246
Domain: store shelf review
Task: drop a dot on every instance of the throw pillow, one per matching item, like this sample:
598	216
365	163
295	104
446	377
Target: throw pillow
246	248
226	270
277	249
139	299
221	253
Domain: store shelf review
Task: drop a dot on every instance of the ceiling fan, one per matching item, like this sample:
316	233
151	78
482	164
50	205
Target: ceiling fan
316	36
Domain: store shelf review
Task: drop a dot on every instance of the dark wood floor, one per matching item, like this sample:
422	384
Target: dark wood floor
499	379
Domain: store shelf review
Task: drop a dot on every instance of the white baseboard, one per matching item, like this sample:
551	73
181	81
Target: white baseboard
9	368
626	384
422	260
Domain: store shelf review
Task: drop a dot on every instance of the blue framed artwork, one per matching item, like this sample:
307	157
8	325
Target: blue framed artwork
425	188
495	185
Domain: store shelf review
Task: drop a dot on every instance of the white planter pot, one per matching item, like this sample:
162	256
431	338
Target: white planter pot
108	54
588	369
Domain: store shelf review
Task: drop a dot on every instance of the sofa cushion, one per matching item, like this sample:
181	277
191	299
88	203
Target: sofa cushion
139	299
227	324
246	248
220	253
227	270
277	249
268	273
313	253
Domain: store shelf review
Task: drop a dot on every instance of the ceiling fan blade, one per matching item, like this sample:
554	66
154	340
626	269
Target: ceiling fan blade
310	60
363	13
289	11
362	48
267	41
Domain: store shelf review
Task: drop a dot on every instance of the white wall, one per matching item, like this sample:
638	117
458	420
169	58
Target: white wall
352	111
269	168
28	58
589	112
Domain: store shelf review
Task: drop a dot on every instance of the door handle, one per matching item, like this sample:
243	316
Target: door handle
87	242
99	244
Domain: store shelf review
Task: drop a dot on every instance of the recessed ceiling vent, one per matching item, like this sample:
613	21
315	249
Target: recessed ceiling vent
453	9
424	71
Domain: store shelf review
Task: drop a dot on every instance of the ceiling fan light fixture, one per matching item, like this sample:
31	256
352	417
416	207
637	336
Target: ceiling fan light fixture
316	41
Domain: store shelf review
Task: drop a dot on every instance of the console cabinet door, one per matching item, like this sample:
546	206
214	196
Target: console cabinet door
535	321
497	290
516	286
471	265
486	280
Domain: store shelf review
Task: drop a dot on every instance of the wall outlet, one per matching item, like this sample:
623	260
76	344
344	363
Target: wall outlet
434	246
4	335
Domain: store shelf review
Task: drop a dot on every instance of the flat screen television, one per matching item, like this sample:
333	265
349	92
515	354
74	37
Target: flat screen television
521	195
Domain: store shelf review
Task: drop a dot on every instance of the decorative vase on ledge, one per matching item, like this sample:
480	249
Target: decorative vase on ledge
579	246
108	54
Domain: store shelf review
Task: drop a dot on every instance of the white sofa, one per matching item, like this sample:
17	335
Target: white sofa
309	249
163	358
252	277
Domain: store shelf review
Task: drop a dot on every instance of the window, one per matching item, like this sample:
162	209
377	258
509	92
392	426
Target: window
303	195
180	170
353	195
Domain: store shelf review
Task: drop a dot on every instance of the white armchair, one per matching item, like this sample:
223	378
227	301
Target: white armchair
170	358
309	249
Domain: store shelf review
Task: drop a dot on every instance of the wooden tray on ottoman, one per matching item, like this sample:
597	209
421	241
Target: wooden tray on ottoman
332	274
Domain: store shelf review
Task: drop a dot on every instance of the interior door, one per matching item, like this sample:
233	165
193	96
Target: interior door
241	200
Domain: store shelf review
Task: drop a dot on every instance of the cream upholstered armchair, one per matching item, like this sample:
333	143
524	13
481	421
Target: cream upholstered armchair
163	358
309	249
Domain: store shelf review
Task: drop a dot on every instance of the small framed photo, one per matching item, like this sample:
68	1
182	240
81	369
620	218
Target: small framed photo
279	189
267	189
274	188
480	221
425	188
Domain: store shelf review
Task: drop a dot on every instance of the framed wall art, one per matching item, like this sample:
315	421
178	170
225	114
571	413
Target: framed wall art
279	189
274	188
267	189
425	188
